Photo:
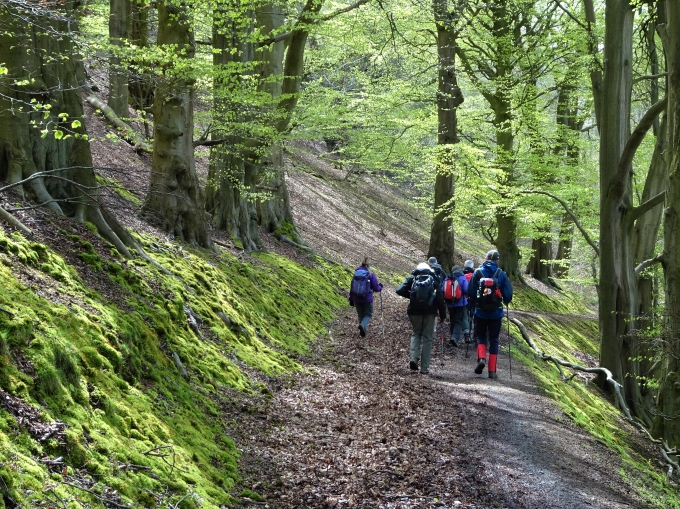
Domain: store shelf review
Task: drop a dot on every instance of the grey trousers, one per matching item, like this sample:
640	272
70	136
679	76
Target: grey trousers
421	339
365	313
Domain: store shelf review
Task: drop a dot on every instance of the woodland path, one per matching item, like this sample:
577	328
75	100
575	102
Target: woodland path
359	430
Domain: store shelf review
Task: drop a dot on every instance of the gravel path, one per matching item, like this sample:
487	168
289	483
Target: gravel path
359	430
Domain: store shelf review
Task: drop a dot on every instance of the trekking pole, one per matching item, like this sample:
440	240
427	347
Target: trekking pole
441	327
507	307
382	315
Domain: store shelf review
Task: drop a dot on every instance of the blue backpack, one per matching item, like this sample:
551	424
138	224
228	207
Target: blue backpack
361	283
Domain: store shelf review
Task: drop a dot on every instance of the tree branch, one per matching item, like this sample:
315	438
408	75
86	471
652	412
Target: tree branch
645	207
13	221
649	77
571	214
648	263
125	130
343	10
566	11
635	139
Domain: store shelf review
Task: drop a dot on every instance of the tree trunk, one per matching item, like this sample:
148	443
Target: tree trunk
449	97
119	30
617	286
667	423
228	183
541	247
175	201
140	86
33	49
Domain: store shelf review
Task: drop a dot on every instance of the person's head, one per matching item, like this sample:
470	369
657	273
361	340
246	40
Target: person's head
469	264
455	268
365	262
431	261
493	255
422	266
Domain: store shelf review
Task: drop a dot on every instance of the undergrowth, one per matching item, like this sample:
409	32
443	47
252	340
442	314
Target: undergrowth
584	403
107	369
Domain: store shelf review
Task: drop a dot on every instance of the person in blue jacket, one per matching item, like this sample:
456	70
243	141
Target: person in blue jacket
489	289
364	303
458	312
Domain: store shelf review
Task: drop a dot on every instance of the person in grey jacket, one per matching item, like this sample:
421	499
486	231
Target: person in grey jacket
422	313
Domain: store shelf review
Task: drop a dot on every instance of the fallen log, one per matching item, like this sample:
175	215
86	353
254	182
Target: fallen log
125	130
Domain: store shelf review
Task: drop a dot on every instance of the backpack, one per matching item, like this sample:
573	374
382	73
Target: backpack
361	283
423	292
489	296
452	290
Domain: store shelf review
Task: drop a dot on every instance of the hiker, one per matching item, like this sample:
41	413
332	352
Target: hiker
455	295
468	270
439	272
364	283
426	299
489	290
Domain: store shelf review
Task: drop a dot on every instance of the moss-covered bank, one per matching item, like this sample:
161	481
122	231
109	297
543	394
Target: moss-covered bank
105	365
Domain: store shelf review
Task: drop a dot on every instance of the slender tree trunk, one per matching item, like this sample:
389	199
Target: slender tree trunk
119	30
228	182
140	85
449	97
617	286
175	201
33	45
667	423
595	70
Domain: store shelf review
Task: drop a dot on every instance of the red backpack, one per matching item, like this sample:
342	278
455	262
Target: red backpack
452	290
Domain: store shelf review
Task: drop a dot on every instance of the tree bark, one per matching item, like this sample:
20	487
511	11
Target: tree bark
33	44
175	201
617	286
228	183
140	86
667	423
449	97
119	30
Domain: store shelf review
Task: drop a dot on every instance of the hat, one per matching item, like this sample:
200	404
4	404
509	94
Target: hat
422	266
469	264
432	260
493	255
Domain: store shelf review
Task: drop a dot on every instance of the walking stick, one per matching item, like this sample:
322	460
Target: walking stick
469	338
441	328
382	315
507	307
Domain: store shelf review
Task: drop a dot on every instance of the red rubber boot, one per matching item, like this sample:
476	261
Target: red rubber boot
493	360
481	359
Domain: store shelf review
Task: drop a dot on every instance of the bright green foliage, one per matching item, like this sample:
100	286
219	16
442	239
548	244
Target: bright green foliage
107	369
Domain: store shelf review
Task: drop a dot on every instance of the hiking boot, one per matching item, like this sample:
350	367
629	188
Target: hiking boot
453	342
424	372
362	331
493	375
481	364
413	365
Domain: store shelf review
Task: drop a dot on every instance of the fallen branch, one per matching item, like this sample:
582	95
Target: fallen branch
179	364
14	222
616	387
126	131
104	500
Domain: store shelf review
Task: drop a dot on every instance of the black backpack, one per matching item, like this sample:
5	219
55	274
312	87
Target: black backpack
423	292
361	283
489	296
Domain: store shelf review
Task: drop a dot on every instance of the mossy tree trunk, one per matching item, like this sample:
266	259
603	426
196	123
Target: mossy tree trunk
119	30
667	422
37	71
228	182
175	200
140	86
449	97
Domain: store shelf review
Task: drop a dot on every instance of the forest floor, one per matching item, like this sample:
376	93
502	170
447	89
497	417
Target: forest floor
358	429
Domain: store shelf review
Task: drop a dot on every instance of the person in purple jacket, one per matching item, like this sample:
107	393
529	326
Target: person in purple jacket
458	312
364	283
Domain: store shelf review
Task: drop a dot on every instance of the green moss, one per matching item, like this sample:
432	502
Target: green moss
107	371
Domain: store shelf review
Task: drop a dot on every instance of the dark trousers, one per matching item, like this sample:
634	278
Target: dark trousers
364	312
488	329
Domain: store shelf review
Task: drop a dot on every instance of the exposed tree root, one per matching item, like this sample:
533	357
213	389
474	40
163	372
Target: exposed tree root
616	387
125	130
13	221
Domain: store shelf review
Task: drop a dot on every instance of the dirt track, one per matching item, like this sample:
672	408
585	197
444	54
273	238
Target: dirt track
360	430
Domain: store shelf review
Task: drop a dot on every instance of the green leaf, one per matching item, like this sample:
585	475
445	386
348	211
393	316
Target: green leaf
75	124
58	134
